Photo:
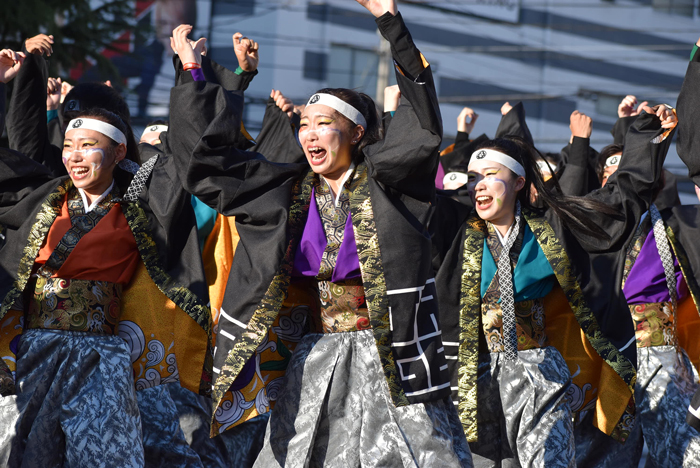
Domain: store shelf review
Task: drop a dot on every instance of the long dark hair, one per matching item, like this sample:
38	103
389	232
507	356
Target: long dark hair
85	96
573	211
368	109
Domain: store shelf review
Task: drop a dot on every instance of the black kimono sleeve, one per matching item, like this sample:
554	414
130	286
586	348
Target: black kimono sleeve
513	123
277	139
574	179
26	120
630	190
620	128
204	126
688	118
406	160
2	107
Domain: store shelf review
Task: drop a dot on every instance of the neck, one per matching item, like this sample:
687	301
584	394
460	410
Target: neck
93	193
335	180
503	224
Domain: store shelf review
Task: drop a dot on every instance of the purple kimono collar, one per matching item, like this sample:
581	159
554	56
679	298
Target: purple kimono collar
646	282
307	260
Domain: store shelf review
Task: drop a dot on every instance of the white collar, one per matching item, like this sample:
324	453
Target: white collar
503	238
342	183
90	207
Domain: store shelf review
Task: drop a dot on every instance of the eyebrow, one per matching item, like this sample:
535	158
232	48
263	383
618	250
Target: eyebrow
318	115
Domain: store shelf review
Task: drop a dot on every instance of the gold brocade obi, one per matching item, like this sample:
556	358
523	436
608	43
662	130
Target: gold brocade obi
75	305
529	319
334	307
342	307
653	324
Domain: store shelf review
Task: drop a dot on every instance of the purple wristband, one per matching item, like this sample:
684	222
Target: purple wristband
197	74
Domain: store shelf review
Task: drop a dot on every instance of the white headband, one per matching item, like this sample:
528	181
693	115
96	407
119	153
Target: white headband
104	128
542	165
613	160
455	177
155	128
341	106
500	158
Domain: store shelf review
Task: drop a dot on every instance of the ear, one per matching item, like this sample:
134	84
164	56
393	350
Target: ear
519	183
119	153
357	134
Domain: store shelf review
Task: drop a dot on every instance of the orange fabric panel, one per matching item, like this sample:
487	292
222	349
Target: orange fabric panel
107	253
689	330
217	257
591	375
155	320
10	328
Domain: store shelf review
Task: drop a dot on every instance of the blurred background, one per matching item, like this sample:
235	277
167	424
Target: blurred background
553	55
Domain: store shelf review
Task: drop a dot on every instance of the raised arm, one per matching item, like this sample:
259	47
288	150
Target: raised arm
406	159
631	189
688	116
579	173
277	139
26	119
10	63
513	122
205	121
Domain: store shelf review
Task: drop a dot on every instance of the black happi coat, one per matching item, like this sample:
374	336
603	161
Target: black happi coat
688	149
391	195
585	267
160	216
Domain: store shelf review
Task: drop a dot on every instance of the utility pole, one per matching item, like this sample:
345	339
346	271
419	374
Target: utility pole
382	69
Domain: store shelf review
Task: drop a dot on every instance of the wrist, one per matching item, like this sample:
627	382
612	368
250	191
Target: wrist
191	66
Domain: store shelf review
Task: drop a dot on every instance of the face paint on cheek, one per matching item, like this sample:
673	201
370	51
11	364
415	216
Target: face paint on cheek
94	154
331	135
499	187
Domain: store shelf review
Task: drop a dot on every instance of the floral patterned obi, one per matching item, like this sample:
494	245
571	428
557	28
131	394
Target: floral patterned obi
75	305
342	307
653	324
529	319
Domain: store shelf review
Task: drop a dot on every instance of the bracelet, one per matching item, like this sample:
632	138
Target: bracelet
190	66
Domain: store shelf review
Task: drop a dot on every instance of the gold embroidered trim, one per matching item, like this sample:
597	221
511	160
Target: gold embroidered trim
48	212
367	241
269	307
470	309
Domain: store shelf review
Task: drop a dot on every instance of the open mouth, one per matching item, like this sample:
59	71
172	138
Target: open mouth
483	201
318	155
79	172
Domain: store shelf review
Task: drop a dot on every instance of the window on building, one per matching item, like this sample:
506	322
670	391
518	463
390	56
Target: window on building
353	68
677	7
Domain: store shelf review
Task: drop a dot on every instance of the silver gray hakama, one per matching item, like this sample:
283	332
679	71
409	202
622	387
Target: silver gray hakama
662	398
75	404
524	418
335	410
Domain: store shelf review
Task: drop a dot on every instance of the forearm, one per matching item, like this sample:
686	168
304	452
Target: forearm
26	118
404	52
573	180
